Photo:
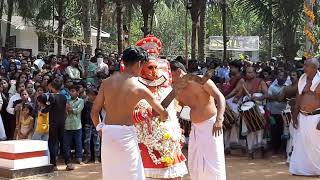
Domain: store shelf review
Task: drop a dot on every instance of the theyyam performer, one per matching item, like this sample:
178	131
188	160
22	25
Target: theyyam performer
305	159
119	95
160	143
206	159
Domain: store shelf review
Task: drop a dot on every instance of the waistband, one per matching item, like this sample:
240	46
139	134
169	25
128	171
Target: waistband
212	119
316	112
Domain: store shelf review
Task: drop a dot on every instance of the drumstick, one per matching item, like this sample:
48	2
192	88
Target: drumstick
246	90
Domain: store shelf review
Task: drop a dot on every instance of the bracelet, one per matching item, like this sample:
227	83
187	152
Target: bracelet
100	126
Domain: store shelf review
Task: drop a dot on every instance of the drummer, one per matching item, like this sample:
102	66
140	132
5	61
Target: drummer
255	89
230	89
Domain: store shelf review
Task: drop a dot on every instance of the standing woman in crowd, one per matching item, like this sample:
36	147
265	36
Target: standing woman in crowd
4	87
63	65
18	108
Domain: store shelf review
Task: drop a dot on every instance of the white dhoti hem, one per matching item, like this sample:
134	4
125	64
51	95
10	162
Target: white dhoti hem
305	159
206	153
120	154
177	170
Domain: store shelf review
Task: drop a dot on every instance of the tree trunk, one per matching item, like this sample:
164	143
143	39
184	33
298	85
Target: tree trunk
151	21
202	31
193	41
100	9
270	42
130	11
224	28
146	6
1	13
61	21
290	47
120	25
186	37
86	22
195	19
10	12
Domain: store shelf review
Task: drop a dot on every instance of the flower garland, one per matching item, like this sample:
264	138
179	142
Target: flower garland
160	140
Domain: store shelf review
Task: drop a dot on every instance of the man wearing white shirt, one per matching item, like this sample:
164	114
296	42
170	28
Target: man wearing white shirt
276	109
39	62
102	67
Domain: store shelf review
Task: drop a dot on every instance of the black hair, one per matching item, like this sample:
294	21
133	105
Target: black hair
75	87
134	54
29	107
175	65
92	91
236	63
56	83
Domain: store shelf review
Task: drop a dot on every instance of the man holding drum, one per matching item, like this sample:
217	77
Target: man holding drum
206	152
254	91
305	159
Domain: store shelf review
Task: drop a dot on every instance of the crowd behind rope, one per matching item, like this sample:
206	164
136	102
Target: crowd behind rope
27	85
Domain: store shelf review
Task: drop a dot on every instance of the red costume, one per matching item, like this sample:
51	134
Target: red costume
159	142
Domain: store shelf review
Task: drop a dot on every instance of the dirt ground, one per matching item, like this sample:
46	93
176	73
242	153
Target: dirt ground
238	167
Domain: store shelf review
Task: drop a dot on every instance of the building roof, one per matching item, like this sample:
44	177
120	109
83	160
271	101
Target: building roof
21	24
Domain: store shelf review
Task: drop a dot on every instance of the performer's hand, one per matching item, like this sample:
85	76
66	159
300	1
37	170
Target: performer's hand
295	122
164	115
318	126
217	128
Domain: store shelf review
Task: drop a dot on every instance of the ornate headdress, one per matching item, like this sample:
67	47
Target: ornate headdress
153	46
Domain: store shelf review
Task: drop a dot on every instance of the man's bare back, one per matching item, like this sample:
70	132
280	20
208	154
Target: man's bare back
119	95
199	100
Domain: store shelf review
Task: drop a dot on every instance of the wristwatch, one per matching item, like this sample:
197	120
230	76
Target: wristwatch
100	126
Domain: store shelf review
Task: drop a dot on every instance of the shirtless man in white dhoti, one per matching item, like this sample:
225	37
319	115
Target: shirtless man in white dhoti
305	159
206	151
119	95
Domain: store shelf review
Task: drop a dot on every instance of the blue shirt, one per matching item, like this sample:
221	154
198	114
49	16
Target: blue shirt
6	63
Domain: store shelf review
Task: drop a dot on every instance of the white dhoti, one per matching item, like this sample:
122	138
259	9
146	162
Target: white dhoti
206	152
120	153
231	136
305	159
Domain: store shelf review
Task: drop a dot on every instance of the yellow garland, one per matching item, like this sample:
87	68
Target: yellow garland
308	55
310	36
309	13
307	31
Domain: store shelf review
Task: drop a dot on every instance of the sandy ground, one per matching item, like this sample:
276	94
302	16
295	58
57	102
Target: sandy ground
238	167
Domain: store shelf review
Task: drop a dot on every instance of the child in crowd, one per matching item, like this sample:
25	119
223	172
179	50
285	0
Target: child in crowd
42	121
25	124
89	129
73	128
